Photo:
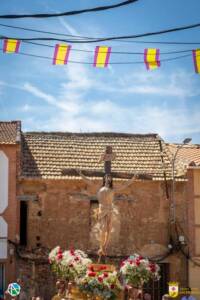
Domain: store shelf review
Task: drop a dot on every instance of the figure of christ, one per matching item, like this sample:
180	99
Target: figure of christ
106	209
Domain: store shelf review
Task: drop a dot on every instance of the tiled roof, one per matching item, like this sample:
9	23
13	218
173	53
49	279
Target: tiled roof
187	155
45	155
10	132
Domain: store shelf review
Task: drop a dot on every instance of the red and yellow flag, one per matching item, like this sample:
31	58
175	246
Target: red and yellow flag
11	46
101	56
196	59
61	54
152	58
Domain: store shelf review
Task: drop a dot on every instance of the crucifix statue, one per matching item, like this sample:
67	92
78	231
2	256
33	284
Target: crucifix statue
105	196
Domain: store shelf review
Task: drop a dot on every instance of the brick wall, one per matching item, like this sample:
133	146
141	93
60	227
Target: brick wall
62	215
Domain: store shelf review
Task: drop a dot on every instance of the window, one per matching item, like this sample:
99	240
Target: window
159	288
2	280
23	223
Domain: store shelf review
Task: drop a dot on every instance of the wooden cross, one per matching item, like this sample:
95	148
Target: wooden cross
107	157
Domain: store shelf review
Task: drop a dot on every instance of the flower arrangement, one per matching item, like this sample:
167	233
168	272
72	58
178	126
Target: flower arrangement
137	270
100	283
70	264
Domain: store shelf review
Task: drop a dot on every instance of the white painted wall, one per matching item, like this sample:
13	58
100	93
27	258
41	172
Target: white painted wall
3	182
3	239
3	204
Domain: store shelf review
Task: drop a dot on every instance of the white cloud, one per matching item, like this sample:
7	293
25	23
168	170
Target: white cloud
76	111
66	103
86	99
177	84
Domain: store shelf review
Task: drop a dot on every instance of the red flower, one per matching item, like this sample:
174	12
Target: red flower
112	286
71	265
76	259
122	264
140	257
91	268
152	268
105	275
137	262
59	256
100	279
92	274
72	252
59	250
103	268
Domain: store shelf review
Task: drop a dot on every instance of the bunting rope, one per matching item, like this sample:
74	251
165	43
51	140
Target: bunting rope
111	63
101	55
113	52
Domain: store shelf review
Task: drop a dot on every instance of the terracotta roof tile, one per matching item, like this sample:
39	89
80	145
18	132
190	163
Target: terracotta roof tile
47	154
10	132
187	155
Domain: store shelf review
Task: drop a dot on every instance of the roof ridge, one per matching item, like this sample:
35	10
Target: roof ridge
98	134
195	146
11	122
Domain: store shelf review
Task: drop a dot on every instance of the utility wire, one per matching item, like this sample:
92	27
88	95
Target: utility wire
69	13
86	37
113	52
122	37
42	31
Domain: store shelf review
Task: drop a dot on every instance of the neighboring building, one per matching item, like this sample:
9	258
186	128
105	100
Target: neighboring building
10	134
56	207
189	157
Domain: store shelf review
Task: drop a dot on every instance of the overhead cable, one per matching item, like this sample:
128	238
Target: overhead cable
94	38
122	37
68	13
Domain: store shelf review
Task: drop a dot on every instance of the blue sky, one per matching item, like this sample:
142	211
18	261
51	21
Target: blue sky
124	98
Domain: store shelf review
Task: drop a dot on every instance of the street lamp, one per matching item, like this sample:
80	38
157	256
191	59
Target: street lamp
173	206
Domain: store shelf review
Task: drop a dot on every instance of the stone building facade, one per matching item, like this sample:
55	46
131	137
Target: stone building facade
57	207
189	156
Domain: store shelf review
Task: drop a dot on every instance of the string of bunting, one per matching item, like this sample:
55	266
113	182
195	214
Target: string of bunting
101	55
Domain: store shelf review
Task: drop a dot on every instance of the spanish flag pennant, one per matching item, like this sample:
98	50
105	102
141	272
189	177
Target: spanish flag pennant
61	54
11	46
152	58
101	56
196	59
